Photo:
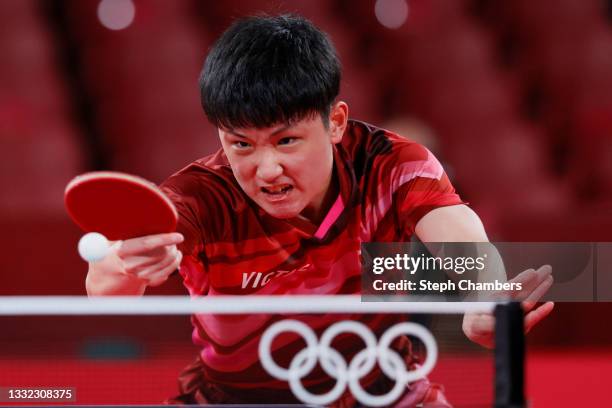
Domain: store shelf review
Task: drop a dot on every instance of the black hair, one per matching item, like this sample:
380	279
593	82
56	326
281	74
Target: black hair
266	70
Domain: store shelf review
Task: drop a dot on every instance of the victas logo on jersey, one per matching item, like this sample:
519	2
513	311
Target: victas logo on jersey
261	279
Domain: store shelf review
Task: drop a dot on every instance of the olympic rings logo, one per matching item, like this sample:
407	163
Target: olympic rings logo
334	364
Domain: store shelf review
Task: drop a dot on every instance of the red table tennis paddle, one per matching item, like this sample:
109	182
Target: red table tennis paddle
119	206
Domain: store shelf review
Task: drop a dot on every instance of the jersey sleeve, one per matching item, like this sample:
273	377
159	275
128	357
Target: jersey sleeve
404	181
423	187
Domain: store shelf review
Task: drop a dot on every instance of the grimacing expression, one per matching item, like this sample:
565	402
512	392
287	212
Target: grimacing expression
286	168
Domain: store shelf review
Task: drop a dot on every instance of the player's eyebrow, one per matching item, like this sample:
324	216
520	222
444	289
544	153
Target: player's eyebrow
279	130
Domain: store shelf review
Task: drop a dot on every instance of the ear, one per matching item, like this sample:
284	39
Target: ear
338	118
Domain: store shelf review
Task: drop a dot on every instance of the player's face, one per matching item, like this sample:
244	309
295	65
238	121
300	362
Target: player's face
286	169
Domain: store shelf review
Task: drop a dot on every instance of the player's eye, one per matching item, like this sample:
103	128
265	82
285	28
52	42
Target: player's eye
241	145
287	141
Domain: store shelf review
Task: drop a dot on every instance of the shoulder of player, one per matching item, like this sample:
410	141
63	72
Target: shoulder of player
375	143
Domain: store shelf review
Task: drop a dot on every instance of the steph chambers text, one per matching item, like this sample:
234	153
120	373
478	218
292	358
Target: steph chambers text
462	285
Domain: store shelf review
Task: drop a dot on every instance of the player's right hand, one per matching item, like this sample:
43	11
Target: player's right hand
152	258
480	327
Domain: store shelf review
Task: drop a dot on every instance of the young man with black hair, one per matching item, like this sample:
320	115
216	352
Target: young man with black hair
283	209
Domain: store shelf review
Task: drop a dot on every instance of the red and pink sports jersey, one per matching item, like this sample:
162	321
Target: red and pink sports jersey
387	183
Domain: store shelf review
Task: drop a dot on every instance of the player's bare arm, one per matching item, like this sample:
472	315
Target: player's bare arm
459	223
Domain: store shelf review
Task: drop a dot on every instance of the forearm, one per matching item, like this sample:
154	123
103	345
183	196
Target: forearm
493	265
462	228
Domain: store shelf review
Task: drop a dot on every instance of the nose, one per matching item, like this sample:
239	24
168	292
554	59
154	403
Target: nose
269	167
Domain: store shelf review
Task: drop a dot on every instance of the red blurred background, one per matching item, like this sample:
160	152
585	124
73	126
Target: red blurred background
515	97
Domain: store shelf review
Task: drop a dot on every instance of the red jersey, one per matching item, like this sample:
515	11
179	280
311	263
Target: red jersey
386	182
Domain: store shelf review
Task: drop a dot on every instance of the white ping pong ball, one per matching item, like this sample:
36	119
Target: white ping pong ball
93	247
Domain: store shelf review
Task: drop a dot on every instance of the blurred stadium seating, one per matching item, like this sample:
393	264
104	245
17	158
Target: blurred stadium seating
519	95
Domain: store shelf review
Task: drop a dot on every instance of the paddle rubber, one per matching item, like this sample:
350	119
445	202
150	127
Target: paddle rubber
120	206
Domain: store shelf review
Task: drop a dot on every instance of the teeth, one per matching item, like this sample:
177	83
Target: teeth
277	189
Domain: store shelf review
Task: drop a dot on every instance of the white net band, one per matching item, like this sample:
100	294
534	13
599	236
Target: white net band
180	305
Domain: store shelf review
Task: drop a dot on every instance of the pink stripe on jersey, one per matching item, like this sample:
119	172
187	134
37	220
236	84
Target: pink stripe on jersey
331	217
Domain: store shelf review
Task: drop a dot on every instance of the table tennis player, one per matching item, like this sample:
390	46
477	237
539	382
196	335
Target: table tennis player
283	207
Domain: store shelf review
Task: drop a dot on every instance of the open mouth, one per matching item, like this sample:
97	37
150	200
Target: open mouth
279	190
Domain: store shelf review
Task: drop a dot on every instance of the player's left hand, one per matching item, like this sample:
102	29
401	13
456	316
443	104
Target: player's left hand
480	327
